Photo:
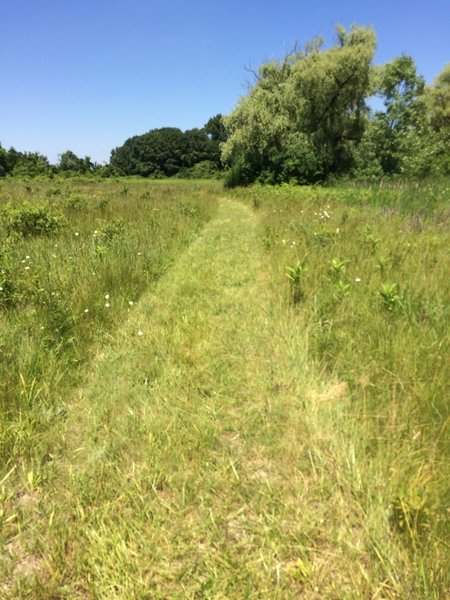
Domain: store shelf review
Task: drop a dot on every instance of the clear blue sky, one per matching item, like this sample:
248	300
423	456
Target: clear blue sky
85	75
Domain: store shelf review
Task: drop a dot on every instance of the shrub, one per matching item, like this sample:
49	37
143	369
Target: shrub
239	174
29	220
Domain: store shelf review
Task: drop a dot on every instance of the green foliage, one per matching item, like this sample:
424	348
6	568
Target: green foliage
307	118
70	163
205	169
295	276
437	99
389	138
23	164
309	109
31	164
215	128
168	151
390	297
341	290
31	220
338	267
239	173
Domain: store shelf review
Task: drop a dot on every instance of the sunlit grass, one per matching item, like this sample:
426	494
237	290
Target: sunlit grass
376	301
265	411
75	256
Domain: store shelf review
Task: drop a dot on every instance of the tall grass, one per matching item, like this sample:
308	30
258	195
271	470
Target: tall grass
373	291
75	255
278	429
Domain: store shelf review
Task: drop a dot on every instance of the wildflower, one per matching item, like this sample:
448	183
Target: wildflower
77	233
131	302
140	333
86	310
1	289
139	253
27	258
106	296
337	229
26	268
106	304
357	279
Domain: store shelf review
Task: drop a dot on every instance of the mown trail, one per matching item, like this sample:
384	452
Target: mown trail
188	467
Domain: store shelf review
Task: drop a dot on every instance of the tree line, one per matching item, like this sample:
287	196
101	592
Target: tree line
316	114
163	152
310	117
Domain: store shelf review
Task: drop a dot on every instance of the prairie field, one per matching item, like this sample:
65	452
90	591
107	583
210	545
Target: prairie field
211	393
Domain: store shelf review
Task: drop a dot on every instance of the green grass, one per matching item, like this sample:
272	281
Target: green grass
267	420
64	288
375	297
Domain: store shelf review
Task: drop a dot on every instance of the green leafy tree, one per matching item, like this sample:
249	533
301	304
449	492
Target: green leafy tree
305	115
70	162
165	152
412	135
437	102
215	129
31	164
3	161
8	160
392	134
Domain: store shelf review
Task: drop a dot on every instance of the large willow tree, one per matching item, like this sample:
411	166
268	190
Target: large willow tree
305	114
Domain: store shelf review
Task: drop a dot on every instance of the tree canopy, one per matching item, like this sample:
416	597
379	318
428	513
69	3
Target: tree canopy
309	116
23	164
70	162
318	113
169	151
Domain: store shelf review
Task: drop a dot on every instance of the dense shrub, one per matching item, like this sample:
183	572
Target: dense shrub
31	220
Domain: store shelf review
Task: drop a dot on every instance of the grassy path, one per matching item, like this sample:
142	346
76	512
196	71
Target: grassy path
188	466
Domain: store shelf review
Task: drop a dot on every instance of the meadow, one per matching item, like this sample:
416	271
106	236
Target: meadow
224	394
368	268
75	256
